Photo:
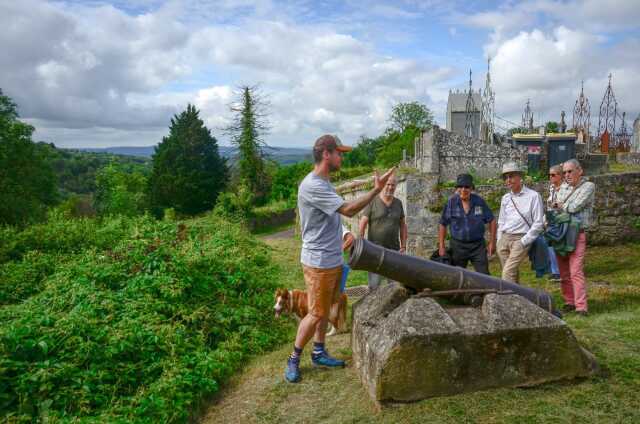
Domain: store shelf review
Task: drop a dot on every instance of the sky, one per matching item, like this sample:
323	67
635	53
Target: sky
90	73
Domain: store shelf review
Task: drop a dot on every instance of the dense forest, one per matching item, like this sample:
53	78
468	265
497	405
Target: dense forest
76	170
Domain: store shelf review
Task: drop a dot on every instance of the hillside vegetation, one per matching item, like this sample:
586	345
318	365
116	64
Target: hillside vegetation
127	319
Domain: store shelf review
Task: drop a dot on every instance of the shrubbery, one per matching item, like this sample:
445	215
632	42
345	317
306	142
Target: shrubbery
119	192
138	322
286	179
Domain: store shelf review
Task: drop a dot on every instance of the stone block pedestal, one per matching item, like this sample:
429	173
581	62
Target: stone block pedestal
411	348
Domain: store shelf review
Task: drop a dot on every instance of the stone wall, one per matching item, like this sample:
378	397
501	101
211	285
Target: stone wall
628	158
447	154
617	207
417	192
273	220
592	163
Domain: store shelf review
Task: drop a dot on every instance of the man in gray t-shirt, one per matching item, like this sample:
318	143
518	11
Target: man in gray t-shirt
321	226
323	240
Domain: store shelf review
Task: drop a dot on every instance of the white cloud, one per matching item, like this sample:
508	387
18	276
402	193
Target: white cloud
548	68
102	68
82	71
392	12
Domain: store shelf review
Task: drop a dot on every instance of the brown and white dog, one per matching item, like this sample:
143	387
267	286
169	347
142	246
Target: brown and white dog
295	302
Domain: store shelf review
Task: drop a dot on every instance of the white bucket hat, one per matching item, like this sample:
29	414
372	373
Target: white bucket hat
511	167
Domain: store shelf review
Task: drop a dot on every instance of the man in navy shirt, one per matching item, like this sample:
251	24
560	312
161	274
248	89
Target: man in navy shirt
467	213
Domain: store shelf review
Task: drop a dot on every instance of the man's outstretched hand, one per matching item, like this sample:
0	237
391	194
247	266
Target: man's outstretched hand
380	182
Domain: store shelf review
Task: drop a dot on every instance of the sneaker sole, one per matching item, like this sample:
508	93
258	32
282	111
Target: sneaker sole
292	381
328	366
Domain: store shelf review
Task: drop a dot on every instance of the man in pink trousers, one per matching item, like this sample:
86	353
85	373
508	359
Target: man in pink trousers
576	198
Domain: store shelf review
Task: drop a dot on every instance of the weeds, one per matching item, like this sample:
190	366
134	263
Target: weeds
136	321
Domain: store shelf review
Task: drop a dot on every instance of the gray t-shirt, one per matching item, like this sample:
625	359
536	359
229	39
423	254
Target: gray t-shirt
320	222
384	222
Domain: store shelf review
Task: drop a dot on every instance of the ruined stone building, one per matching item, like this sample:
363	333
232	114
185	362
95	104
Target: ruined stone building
457	112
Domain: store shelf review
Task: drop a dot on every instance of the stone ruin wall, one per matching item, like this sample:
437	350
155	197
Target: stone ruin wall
447	154
617	207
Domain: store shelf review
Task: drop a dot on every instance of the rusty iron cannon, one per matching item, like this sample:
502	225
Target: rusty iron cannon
438	279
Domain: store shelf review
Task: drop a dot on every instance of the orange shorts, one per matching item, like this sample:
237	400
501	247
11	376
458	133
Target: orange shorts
323	289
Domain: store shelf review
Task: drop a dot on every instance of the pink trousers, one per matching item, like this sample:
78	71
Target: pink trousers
574	286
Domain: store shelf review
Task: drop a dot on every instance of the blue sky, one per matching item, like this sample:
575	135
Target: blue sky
107	73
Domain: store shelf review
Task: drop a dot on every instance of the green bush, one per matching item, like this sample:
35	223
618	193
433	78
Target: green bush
286	179
138	331
119	192
61	236
272	208
22	279
78	206
235	205
389	153
350	173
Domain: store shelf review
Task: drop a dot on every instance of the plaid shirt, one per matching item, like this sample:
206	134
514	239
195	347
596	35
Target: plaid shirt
466	227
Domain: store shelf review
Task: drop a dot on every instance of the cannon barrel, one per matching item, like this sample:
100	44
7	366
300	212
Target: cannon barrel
419	273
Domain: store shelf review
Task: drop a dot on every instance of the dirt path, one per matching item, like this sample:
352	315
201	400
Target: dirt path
261	395
286	234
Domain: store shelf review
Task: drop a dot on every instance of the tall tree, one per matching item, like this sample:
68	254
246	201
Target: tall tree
364	153
411	115
188	172
27	182
247	132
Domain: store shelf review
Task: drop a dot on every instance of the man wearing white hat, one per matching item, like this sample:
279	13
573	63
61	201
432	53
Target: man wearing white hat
519	223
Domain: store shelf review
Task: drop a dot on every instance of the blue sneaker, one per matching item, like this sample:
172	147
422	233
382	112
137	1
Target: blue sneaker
292	373
324	360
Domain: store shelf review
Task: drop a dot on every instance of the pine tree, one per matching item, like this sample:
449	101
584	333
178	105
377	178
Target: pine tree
188	171
27	182
247	131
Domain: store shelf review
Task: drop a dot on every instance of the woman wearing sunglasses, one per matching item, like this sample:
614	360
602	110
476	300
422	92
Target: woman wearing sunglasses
556	184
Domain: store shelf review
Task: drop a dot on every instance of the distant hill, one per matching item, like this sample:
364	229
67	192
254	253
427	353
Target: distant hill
282	155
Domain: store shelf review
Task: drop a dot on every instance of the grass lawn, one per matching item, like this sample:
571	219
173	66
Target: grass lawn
612	332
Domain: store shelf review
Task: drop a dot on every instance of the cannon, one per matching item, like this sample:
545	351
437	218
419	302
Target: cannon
408	346
441	279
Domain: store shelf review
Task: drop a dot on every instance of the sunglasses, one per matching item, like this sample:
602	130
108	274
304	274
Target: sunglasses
552	175
568	172
467	187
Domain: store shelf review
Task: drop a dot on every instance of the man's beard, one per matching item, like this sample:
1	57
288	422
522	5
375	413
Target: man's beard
333	168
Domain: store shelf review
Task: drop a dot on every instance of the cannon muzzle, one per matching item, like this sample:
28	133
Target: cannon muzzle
419	274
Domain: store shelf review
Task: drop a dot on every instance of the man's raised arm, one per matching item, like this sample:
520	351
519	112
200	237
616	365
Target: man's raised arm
353	207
